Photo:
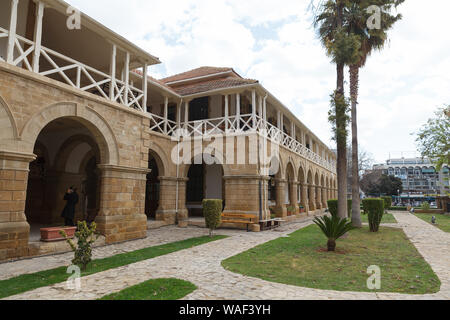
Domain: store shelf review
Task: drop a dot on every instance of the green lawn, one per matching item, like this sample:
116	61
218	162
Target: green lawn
156	289
40	279
302	260
442	221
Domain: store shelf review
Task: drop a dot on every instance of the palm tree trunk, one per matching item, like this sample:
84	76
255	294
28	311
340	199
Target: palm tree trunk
331	245
341	141
341	151
356	203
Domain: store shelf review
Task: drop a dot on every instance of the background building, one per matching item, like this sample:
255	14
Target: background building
419	176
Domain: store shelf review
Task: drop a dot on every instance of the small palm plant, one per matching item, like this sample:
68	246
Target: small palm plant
333	228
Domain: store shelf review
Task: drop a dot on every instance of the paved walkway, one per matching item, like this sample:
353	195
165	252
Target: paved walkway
155	237
202	266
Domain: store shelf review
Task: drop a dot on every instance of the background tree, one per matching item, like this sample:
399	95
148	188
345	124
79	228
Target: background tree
365	164
434	138
375	183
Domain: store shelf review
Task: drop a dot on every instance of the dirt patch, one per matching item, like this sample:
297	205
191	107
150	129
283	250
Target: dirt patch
338	251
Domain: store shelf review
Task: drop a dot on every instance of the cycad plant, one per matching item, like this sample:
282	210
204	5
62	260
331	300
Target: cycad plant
333	228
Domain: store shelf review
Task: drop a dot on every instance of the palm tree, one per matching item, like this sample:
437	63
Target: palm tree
333	228
341	48
355	22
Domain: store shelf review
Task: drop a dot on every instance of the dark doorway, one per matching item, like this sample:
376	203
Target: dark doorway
152	190
90	190
198	109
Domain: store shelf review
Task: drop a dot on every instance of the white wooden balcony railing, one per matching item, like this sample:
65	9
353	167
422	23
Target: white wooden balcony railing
236	125
74	73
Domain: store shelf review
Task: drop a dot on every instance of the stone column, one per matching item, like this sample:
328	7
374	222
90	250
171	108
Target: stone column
312	198
280	208
318	197
324	198
242	195
122	203
304	197
294	196
14	228
183	213
167	204
167	210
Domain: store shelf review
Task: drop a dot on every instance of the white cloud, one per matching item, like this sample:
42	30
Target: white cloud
400	87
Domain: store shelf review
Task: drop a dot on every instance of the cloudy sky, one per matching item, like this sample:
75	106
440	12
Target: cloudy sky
274	42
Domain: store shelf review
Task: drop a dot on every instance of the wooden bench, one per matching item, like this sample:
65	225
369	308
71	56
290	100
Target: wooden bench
270	224
247	219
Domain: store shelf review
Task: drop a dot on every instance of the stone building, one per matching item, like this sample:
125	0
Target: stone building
77	108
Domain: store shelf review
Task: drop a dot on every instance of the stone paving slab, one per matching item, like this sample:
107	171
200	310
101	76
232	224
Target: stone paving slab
202	266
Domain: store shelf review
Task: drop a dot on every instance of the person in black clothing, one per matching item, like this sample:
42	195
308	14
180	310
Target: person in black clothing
68	213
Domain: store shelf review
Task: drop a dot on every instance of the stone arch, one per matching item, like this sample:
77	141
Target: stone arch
88	117
8	124
316	179
290	169
68	146
161	159
184	168
301	177
310	177
87	157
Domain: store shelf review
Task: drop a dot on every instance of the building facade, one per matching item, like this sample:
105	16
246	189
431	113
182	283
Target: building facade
78	108
419	176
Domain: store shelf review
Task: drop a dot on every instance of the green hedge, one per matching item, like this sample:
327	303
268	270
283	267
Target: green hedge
212	211
387	201
333	207
374	207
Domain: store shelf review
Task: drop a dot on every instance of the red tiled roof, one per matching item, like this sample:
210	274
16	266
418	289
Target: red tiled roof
213	84
195	73
156	81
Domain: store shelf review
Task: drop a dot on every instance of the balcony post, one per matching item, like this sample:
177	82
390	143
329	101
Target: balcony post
278	119
127	77
265	109
179	105
253	109
227	113
293	130
12	31
145	88
166	113
113	73
186	114
238	112
260	101
38	36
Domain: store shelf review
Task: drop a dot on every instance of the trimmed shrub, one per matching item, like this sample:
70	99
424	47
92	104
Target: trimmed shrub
212	211
426	206
333	207
398	208
374	207
387	202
